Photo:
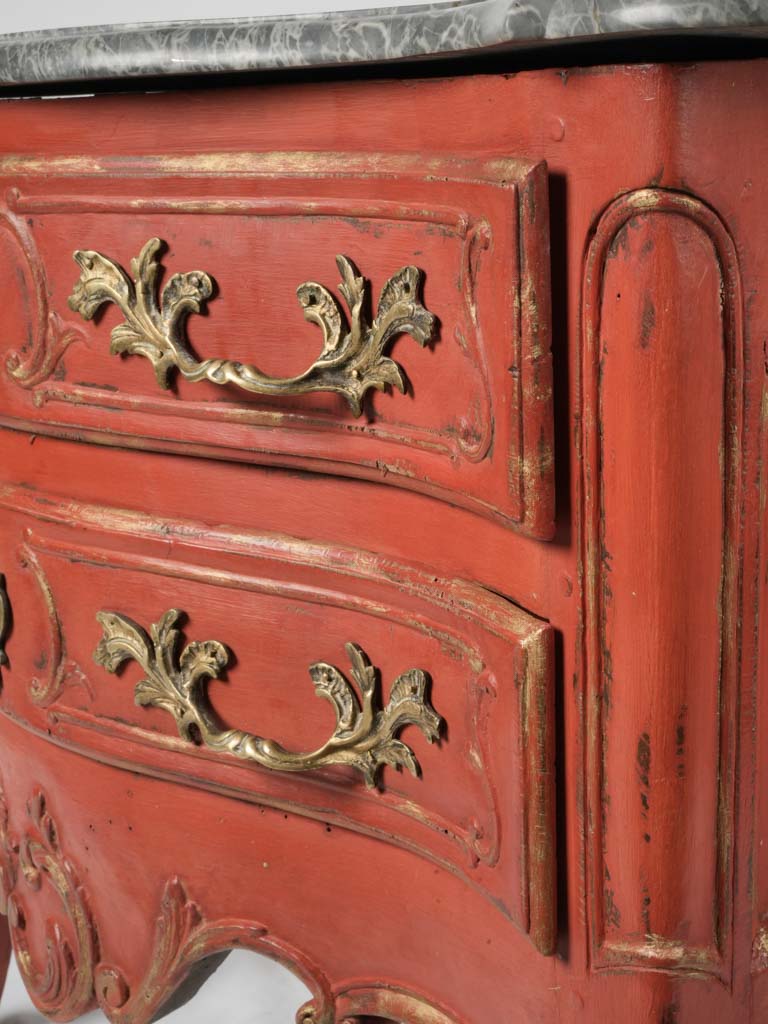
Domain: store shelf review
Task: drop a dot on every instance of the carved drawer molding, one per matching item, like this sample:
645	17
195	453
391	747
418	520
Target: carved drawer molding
474	427
366	729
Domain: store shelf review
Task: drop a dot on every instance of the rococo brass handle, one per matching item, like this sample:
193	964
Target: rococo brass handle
365	733
352	359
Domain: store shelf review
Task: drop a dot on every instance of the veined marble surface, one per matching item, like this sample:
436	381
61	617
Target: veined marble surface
383	34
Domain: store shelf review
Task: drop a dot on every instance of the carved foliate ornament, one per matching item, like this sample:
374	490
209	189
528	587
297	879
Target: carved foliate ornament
365	737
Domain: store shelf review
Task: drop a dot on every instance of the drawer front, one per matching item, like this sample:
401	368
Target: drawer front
428	657
450	252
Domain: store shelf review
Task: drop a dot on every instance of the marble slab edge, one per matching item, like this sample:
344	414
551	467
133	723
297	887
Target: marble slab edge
385	34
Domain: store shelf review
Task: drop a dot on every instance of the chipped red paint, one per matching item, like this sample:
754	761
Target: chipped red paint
560	522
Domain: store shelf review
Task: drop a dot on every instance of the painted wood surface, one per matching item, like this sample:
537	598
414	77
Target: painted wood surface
603	686
475	427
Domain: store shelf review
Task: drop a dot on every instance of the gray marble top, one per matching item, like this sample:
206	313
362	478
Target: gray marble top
383	34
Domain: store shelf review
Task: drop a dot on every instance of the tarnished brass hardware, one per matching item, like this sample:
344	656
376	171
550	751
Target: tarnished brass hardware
5	620
62	986
365	733
352	359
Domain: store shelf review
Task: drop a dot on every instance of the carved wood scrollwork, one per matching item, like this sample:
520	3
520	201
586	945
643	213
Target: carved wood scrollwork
352	359
363	1003
60	670
365	737
28	366
63	988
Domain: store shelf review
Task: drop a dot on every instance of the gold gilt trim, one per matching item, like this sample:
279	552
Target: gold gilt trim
63	989
187	948
182	939
365	733
36	360
352	359
379	1001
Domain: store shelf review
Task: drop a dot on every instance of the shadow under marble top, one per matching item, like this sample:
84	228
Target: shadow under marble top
382	34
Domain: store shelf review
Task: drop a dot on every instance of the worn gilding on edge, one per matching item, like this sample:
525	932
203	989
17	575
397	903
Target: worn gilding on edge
64	988
365	733
760	951
390	1002
500	173
75	978
651	950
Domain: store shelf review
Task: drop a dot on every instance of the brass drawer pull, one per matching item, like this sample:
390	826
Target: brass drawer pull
365	733
352	359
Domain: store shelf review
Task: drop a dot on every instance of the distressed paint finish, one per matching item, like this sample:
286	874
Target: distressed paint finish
491	668
5	951
662	583
430	899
